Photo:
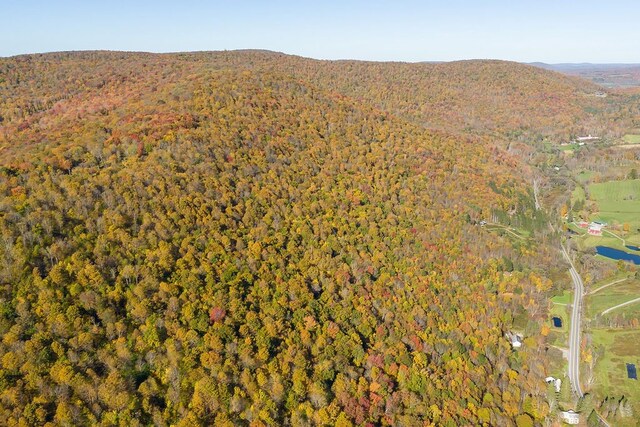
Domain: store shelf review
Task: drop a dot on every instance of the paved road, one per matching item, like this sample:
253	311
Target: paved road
621	305
574	333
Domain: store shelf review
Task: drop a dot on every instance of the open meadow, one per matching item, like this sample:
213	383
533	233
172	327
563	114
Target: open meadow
618	201
615	203
613	295
632	139
613	349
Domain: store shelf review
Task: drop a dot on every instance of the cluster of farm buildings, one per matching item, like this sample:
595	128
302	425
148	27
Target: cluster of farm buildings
594	228
582	140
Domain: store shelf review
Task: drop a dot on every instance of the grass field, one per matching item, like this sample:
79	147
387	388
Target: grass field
631	310
515	234
618	201
570	147
584	176
565	298
633	240
618	347
632	139
559	336
598	303
588	241
612	296
618	276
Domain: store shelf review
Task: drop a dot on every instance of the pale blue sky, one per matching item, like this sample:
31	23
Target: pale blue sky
542	30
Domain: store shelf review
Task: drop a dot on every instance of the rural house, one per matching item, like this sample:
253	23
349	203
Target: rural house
570	417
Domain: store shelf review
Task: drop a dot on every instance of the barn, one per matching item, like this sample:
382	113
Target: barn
595	229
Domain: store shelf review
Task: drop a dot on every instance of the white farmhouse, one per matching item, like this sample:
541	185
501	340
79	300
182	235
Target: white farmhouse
587	138
515	339
570	417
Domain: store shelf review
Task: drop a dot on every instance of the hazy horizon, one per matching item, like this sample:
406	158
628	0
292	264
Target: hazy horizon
558	64
408	31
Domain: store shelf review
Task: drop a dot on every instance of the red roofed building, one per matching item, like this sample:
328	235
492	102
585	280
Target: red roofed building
595	229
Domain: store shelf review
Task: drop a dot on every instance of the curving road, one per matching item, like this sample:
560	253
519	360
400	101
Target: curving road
574	332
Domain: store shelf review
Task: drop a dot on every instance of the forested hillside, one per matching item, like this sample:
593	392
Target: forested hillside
233	239
482	97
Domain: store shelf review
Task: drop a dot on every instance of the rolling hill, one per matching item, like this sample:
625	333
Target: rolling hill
251	238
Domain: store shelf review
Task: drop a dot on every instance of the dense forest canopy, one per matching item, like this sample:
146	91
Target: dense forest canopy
250	238
480	96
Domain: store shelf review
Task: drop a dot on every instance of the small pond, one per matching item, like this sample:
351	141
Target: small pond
557	322
631	371
617	254
633	248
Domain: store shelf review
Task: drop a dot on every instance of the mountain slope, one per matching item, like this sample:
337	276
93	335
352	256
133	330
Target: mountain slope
496	97
186	241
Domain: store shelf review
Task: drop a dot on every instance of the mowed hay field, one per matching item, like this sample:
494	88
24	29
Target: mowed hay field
618	201
565	298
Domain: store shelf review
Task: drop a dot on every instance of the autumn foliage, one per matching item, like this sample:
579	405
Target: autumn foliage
242	239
